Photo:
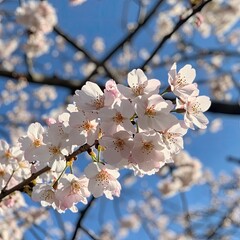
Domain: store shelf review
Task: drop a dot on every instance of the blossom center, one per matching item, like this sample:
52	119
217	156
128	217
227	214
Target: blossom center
181	80
37	143
75	186
195	108
147	147
138	90
8	154
99	102
47	195
87	126
103	177
118	118
2	172
54	150
119	144
150	111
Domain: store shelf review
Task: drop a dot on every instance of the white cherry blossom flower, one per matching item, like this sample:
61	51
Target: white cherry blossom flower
90	97
6	153
117	148
103	180
37	16
172	137
139	85
53	153
194	108
72	191
83	129
117	118
154	113
33	140
5	174
149	151
45	194
77	2
181	82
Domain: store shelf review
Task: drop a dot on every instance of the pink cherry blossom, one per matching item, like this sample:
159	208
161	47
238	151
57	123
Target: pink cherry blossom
103	180
111	91
117	118
33	140
90	97
82	128
149	151
181	82
172	137
139	85
45	194
72	191
154	113
195	106
117	148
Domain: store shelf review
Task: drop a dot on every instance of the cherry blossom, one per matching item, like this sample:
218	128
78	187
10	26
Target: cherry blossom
103	180
32	140
120	127
90	97
45	194
82	129
172	137
117	148
139	85
117	118
181	82
77	2
195	106
37	16
154	112
149	151
72	191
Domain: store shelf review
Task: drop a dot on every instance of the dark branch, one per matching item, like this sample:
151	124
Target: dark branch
168	36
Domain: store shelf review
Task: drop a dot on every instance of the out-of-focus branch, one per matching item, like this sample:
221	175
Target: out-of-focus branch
126	39
195	10
231	108
73	43
82	214
214	230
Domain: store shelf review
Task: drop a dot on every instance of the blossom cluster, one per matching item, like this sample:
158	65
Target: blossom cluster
39	18
185	172
120	127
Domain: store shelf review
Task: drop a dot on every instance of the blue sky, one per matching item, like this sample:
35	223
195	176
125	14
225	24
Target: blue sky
103	18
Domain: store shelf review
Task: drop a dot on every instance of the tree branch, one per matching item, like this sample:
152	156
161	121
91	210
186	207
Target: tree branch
19	186
168	36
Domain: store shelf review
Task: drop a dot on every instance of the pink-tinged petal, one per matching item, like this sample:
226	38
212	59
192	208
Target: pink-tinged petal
153	86
205	102
172	74
35	131
76	118
136	77
92	89
188	73
95	188
125	91
200	120
91	170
